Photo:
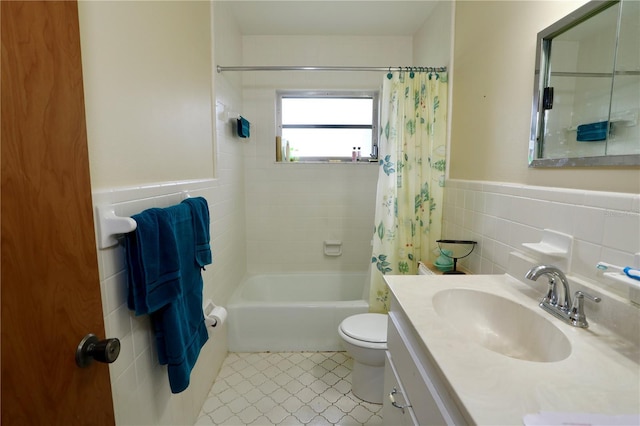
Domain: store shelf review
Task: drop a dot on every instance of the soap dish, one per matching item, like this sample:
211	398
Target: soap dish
544	248
553	243
333	248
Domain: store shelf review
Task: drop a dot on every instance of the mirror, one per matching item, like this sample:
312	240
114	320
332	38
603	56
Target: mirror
586	98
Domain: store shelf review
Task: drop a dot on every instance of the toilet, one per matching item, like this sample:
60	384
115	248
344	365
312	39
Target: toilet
364	337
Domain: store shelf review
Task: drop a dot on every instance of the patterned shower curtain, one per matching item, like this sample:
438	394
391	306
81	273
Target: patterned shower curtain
411	178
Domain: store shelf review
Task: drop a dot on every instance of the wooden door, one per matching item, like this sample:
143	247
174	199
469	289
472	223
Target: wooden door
50	283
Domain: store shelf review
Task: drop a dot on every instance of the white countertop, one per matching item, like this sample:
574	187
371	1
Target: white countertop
601	375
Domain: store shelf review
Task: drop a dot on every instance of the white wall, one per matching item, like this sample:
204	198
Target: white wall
293	208
230	262
147	71
492	91
432	42
150	118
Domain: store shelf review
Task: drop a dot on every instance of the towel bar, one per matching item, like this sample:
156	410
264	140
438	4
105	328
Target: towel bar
110	225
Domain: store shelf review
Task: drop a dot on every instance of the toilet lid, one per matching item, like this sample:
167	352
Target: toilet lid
366	327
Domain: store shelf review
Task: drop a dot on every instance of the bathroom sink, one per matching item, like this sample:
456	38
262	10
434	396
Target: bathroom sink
501	325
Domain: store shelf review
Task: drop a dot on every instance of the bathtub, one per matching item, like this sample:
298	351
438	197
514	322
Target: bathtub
293	312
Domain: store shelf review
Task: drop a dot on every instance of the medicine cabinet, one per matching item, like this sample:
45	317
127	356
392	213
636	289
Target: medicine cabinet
586	96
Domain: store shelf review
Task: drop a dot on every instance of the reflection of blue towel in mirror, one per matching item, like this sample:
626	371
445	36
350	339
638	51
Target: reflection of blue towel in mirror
593	132
243	127
174	304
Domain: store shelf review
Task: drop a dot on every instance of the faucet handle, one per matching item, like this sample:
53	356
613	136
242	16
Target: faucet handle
577	316
580	294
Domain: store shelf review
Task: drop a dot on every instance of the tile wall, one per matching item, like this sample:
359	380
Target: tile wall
605	225
293	208
140	386
141	393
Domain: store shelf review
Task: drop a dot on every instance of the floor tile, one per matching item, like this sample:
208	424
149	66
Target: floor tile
286	388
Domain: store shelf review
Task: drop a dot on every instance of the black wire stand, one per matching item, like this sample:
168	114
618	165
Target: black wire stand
457	252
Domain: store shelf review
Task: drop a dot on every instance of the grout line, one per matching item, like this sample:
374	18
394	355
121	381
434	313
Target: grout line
286	388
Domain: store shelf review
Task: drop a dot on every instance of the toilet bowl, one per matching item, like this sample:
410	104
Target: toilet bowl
364	337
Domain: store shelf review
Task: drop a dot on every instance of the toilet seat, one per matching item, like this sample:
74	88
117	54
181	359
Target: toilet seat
369	328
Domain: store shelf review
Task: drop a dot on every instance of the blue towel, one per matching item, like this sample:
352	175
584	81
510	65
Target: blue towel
243	127
179	325
200	216
154	267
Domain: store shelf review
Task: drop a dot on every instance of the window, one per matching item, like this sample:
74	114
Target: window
327	126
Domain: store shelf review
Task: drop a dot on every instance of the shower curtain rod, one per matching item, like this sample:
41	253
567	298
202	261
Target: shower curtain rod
313	68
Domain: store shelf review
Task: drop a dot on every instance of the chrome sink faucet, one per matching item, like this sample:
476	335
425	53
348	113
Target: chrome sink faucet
554	275
572	313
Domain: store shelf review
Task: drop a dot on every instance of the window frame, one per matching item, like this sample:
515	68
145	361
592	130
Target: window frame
344	94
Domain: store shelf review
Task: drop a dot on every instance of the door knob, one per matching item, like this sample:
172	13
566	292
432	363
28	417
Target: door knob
90	348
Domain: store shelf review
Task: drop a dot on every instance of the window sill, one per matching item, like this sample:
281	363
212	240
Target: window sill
327	162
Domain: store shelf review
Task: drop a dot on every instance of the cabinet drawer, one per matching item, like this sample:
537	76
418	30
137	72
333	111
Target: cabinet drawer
393	415
431	403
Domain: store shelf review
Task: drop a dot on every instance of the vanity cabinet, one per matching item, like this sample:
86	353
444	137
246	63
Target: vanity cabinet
450	376
415	379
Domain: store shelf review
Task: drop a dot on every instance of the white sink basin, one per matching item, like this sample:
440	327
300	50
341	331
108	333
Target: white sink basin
501	325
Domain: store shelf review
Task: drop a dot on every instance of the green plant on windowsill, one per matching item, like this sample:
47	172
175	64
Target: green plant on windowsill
292	154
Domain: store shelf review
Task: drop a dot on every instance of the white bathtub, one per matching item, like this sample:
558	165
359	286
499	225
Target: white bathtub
293	312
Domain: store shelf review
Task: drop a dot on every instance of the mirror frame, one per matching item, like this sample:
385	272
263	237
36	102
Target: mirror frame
542	46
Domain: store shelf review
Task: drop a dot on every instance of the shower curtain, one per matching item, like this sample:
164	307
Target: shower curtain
411	154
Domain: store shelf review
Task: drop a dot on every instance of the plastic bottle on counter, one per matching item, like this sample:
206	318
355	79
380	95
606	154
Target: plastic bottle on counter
354	155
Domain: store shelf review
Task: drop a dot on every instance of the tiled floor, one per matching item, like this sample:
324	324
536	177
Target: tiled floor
292	388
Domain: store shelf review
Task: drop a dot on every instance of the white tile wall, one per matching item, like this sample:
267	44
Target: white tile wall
605	226
140	386
293	208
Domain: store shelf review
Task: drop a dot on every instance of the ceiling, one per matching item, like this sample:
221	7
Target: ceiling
309	17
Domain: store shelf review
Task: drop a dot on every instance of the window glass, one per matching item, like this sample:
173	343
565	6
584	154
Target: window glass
322	126
327	143
326	111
